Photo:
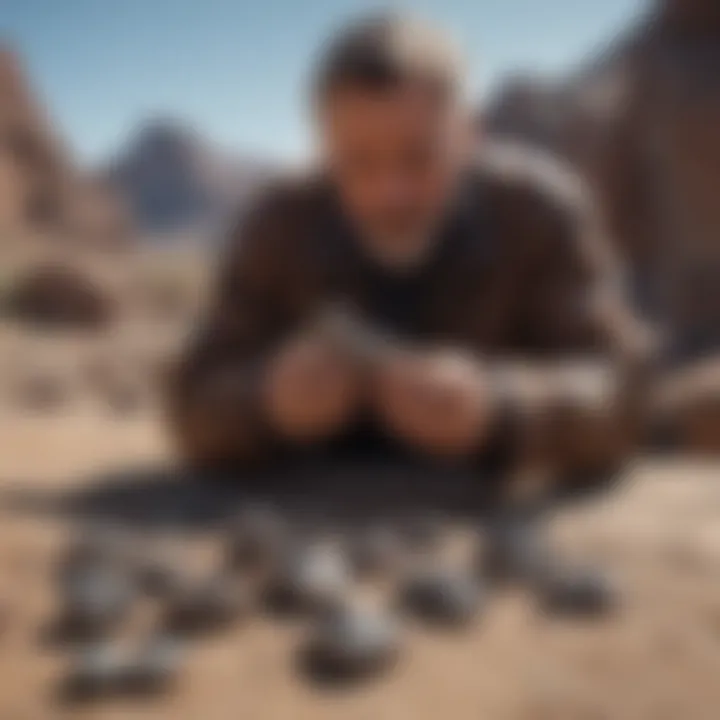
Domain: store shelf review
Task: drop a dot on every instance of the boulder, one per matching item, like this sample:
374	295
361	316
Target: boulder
59	296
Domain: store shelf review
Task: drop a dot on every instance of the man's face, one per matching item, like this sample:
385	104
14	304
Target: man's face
395	156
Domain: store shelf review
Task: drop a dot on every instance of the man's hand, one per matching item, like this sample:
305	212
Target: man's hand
311	389
439	402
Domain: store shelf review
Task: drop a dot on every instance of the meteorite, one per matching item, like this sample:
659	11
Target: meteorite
207	605
571	592
374	550
351	642
514	550
257	536
95	600
98	671
155	666
108	670
310	578
442	596
94	547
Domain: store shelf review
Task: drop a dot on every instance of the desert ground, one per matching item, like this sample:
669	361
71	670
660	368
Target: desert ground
79	428
658	657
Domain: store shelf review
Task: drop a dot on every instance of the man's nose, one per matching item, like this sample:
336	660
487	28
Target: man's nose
395	191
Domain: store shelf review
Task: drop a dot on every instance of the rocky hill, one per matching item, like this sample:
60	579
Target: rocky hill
174	180
41	188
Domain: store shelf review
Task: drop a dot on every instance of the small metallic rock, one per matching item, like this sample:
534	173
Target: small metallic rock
106	670
374	551
514	549
351	643
98	671
155	666
257	537
312	578
95	600
576	593
94	547
442	596
207	606
158	578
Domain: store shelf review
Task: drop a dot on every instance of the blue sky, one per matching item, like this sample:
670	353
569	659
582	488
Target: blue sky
237	69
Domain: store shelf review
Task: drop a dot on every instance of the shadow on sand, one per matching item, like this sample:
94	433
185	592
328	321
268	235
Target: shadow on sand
333	488
166	498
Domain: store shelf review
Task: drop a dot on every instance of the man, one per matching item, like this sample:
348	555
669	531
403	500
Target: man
486	279
658	174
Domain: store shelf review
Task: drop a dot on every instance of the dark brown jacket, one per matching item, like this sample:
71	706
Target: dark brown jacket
520	275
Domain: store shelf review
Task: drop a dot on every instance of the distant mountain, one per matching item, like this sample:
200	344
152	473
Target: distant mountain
175	181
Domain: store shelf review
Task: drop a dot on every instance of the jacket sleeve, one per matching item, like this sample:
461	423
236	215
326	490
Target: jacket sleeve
574	400
213	398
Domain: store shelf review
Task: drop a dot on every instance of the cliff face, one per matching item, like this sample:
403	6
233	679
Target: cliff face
641	123
529	109
568	115
166	179
40	188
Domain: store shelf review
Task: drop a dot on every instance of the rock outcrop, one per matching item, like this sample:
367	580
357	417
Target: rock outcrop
52	295
640	121
529	109
41	189
647	113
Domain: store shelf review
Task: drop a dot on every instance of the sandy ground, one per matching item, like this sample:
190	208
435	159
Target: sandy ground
658	659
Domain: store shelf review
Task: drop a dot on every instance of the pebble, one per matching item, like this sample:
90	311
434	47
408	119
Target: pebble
257	537
351	643
514	550
441	596
207	606
374	551
107	670
95	600
577	593
313	578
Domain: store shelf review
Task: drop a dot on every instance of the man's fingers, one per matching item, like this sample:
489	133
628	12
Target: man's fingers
313	363
437	403
310	389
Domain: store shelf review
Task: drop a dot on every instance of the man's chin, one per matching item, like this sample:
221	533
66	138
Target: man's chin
399	256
